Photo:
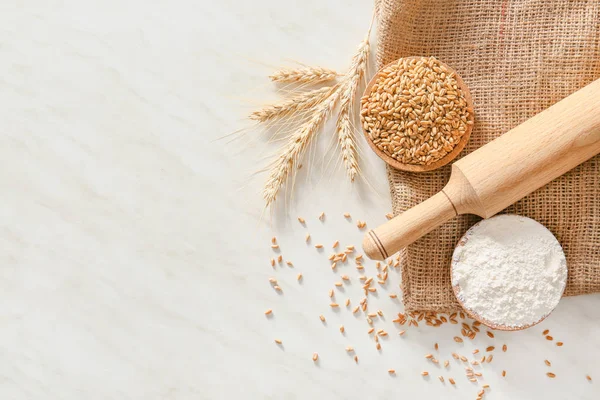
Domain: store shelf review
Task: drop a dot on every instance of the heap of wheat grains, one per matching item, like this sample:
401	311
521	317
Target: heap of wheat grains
415	112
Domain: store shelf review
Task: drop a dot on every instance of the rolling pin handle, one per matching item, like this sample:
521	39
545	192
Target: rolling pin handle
382	242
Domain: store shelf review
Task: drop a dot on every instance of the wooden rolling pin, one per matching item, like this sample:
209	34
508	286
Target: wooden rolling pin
503	171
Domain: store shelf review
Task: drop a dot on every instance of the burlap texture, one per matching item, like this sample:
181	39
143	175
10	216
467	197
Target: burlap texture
517	57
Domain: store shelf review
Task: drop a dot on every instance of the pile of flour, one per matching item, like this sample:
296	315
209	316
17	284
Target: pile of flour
511	271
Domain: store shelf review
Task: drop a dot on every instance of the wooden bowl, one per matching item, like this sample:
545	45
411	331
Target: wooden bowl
442	161
463	240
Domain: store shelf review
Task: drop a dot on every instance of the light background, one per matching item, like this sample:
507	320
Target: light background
134	256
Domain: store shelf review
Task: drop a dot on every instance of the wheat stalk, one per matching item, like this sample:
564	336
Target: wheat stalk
286	164
313	108
303	75
301	102
344	126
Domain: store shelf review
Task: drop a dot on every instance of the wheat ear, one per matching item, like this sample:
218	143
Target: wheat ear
344	126
304	75
346	140
300	102
287	163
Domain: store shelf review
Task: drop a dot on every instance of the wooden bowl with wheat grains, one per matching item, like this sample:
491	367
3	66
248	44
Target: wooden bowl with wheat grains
422	135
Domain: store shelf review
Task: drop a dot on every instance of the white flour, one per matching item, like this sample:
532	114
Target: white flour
511	271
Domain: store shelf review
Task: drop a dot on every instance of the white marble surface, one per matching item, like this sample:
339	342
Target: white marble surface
134	260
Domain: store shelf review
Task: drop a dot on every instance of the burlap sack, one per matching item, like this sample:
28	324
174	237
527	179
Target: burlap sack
518	57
